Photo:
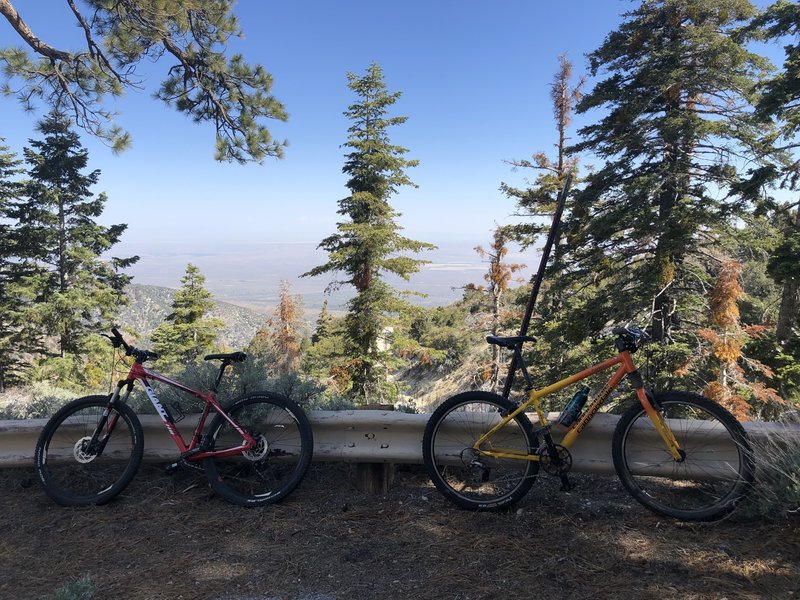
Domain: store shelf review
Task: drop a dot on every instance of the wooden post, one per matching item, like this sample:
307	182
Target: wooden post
375	478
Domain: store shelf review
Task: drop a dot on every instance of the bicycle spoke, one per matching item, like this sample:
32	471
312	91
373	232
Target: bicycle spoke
713	475
465	473
269	471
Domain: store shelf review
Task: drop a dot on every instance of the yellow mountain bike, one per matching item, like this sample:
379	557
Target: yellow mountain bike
678	453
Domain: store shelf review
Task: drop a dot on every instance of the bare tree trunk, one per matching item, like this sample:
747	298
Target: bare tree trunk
790	300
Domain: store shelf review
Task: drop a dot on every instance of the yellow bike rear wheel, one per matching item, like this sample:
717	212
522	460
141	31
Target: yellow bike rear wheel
464	474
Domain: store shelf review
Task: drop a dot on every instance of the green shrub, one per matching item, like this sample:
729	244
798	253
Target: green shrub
776	492
82	589
37	401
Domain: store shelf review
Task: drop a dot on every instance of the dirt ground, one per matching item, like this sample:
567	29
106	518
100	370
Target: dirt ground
168	537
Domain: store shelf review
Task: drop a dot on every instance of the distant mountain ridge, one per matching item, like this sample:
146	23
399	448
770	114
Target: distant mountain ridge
150	304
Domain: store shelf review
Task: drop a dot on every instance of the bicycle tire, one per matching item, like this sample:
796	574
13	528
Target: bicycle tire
715	474
271	471
461	474
74	477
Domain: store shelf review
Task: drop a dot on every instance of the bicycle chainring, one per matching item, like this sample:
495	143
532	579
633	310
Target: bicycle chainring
560	466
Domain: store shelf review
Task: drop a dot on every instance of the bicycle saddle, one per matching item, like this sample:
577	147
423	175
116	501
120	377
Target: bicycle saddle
231	356
509	342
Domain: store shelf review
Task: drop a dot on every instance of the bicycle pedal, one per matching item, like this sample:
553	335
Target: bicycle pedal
171	468
566	484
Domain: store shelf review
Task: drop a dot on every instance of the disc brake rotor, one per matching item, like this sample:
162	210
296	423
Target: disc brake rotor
80	453
259	451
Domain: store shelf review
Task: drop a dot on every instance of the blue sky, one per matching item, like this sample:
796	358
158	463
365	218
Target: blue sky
474	77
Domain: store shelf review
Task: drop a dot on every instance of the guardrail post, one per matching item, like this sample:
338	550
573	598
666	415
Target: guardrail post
375	478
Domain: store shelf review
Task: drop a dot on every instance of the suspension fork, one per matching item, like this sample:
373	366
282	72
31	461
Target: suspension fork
653	411
107	422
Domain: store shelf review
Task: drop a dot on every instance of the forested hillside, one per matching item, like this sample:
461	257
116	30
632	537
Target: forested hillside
148	305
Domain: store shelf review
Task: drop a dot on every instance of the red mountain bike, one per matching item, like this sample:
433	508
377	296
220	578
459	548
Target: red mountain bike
254	452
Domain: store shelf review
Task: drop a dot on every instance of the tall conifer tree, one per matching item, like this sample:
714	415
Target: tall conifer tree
676	88
188	331
60	244
14	324
368	244
539	199
536	202
781	100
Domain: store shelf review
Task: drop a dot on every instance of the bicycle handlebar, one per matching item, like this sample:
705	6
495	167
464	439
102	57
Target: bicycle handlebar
117	340
630	337
139	355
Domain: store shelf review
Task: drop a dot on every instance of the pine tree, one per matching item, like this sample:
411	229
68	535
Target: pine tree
325	359
279	340
203	82
738	382
323	325
59	245
563	298
675	96
187	332
539	200
368	244
780	100
14	301
498	278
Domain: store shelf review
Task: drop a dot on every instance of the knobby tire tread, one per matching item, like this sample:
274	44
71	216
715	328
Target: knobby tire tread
745	471
429	439
65	497
299	417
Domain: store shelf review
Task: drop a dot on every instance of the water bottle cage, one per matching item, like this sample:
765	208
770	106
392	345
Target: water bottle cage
573	407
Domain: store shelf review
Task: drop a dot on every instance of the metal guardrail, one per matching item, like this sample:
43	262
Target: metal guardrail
361	436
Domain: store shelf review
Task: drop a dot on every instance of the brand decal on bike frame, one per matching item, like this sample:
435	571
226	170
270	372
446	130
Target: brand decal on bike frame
594	407
165	416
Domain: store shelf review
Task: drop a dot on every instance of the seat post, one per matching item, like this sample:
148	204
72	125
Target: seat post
521	364
220	375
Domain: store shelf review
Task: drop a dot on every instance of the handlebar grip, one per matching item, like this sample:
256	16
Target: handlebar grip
118	341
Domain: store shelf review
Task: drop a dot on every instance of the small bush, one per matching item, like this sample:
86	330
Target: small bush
332	403
776	492
82	589
38	401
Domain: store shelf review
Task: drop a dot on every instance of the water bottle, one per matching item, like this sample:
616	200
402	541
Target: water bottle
574	407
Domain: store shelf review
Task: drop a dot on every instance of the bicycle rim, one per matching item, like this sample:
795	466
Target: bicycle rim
468	477
272	469
715	474
70	471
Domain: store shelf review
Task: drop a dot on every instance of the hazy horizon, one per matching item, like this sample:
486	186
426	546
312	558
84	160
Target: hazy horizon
250	274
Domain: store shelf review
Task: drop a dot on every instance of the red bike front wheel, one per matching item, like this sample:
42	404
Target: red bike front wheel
84	456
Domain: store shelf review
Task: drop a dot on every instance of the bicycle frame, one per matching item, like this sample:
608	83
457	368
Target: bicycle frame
626	367
193	450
